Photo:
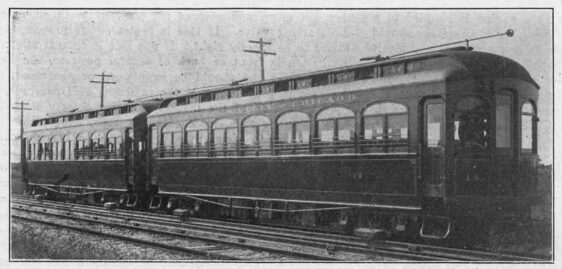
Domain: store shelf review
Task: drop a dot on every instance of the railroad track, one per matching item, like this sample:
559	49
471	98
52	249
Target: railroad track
153	237
288	243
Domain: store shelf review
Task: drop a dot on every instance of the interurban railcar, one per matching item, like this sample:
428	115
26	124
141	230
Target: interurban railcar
88	153
408	145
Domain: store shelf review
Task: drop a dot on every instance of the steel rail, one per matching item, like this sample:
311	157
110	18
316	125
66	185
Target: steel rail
292	237
179	233
398	250
129	239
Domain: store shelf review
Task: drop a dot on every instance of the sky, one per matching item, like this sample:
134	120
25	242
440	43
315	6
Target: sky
56	53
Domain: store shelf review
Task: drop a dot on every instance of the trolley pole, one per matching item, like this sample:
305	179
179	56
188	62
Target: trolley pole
23	161
102	82
261	53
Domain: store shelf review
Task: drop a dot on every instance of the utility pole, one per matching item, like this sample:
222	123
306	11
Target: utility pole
102	82
261	53
23	161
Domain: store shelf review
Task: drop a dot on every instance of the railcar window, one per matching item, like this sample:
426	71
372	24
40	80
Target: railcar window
503	119
195	139
236	93
82	151
303	83
114	148
385	128
171	141
320	80
194	99
125	110
56	148
345	77
528	128
154	141
434	126
222	95
107	112
265	89
36	151
78	116
97	146
181	101
366	73
394	69
248	91
34	146
39	151
45	149
206	97
281	86
293	133
335	131
225	135
256	133
471	117
68	147
51	120
93	114
415	66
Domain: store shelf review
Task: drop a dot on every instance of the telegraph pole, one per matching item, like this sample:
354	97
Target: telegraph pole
102	82
261	53
23	161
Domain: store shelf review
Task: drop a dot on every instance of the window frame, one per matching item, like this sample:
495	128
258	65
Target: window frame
511	113
292	147
112	139
34	147
260	147
82	150
171	150
534	119
224	148
56	147
382	145
46	148
100	141
197	150
489	133
336	145
69	153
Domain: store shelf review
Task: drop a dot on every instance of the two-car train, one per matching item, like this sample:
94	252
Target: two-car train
417	145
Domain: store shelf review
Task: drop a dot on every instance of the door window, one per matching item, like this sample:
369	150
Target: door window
471	120
503	119
434	125
528	128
